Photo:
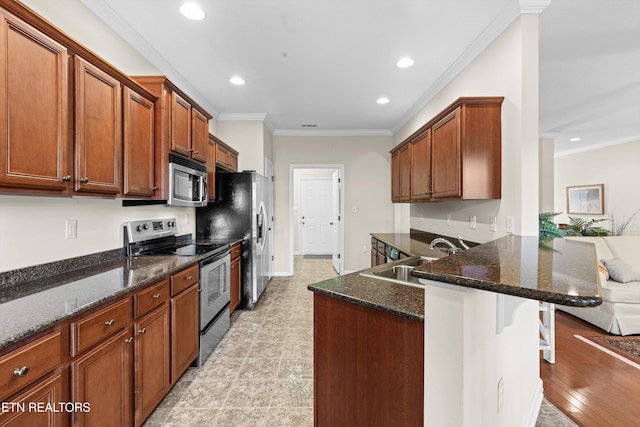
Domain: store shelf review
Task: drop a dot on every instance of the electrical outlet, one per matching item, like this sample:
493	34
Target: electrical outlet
71	229
472	222
449	219
510	221
364	248
354	209
493	223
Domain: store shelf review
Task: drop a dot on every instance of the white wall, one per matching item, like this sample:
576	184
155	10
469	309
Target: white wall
248	138
616	167
508	67
546	185
32	228
367	166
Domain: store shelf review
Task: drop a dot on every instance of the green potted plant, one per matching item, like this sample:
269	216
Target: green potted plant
586	227
548	229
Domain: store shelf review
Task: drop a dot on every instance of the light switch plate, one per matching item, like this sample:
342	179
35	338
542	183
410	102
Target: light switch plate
71	229
473	222
510	221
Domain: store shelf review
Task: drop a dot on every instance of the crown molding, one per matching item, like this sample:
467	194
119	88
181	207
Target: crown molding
533	6
508	15
124	30
590	147
243	116
333	132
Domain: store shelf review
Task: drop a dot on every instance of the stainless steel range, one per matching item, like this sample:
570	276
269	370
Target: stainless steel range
159	237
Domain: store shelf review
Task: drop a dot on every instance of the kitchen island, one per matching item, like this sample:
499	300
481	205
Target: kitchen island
480	321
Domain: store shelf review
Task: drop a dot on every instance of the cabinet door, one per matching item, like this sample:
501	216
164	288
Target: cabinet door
49	391
211	168
103	377
180	125
152	361
233	161
199	135
221	156
185	332
34	146
139	152
421	167
98	146
395	176
234	286
445	153
405	172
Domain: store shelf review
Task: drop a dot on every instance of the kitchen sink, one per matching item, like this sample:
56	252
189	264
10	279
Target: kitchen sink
399	272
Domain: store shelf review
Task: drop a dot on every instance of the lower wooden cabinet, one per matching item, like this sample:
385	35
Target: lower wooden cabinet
152	361
103	377
235	277
30	405
369	374
185	330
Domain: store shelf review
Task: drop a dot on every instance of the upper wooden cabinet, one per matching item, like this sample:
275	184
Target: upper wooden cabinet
226	157
455	156
61	123
211	167
34	151
420	171
181	126
139	145
401	173
98	133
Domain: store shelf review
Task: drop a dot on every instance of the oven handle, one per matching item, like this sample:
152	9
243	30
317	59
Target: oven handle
215	258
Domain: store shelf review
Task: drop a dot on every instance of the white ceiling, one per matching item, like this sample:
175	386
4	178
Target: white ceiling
325	62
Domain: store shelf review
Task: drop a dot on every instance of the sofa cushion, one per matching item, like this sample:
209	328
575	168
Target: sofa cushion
626	248
620	271
613	291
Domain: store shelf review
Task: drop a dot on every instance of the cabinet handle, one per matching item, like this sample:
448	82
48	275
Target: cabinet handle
129	340
110	322
189	277
21	372
195	151
143	330
84	180
154	188
66	178
156	296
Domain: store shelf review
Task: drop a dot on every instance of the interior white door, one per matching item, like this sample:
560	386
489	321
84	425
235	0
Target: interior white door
268	202
315	216
336	218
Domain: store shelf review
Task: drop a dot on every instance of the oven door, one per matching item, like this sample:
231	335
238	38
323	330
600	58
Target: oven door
214	287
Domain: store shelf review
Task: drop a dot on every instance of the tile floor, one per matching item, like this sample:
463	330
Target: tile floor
261	374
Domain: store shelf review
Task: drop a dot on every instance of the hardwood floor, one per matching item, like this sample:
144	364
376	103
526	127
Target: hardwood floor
590	386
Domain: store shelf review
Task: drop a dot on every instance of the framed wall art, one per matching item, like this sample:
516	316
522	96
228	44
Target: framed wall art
586	199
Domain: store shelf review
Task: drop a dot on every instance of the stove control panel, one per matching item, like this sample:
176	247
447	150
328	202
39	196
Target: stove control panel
148	229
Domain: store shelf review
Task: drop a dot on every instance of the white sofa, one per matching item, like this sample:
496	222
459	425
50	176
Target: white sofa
619	313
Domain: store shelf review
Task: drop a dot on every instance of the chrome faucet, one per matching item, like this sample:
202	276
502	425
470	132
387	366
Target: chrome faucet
452	249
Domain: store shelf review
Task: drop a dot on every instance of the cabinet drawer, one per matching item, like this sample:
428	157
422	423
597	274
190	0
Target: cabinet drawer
182	280
30	362
381	247
100	325
236	250
151	297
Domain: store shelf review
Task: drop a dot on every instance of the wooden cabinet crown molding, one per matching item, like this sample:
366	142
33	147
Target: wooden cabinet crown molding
170	86
73	46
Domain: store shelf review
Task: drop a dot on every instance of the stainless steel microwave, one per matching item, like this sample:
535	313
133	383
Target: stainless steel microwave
187	182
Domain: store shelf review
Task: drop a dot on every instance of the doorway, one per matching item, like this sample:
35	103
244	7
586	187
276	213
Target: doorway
316	220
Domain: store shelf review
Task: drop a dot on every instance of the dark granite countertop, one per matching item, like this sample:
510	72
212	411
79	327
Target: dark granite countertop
31	306
560	271
391	297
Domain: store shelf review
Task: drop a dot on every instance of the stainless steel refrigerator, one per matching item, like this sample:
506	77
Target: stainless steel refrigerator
239	213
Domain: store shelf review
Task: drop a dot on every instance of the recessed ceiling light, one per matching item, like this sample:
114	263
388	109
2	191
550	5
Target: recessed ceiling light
238	81
404	63
383	100
192	11
575	139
